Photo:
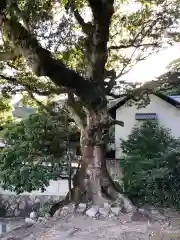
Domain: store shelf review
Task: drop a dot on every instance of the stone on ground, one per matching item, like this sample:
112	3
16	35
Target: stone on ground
81	208
65	211
93	211
104	212
30	221
80	228
41	219
107	205
33	215
116	210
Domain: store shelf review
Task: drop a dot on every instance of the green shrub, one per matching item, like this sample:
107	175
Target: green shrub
152	166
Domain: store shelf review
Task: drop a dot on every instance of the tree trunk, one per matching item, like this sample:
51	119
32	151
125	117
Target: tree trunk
92	181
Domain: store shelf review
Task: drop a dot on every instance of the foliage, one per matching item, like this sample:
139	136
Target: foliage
152	165
172	75
134	34
78	48
36	151
5	113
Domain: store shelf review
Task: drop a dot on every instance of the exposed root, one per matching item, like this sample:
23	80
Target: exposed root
114	192
108	194
127	204
77	193
110	191
59	205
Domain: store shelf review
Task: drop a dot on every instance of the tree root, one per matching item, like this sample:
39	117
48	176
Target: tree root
59	205
120	199
111	191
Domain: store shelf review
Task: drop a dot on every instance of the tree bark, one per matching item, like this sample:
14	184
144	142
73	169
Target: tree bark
92	181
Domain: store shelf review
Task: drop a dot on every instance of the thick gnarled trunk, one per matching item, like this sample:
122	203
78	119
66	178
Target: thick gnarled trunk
92	182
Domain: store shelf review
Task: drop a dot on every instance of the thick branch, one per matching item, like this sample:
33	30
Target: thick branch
75	109
6	56
102	14
87	28
34	89
117	122
42	63
3	6
19	13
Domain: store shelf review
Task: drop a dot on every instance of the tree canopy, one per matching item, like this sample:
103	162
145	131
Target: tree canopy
58	36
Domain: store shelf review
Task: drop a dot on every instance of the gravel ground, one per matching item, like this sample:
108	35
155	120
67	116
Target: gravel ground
84	228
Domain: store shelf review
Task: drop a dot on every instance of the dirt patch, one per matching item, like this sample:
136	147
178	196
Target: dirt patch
81	227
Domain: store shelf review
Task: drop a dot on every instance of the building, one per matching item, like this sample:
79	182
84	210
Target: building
165	109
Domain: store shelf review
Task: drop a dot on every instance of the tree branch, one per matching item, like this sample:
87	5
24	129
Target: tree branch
6	56
3	6
19	14
112	82
133	45
149	87
102	14
87	28
117	122
75	110
49	110
43	64
35	90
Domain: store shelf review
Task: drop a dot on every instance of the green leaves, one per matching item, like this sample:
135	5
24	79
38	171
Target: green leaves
152	165
35	153
36	10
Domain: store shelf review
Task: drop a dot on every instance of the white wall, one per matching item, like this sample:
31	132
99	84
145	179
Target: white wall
58	188
167	114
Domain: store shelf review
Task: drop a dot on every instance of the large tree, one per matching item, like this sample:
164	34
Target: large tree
47	55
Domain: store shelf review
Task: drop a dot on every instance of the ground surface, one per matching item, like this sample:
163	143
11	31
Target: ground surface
84	228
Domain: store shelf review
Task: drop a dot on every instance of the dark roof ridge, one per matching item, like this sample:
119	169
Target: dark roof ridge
168	99
163	96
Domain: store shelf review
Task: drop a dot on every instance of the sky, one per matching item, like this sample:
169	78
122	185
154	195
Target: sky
154	65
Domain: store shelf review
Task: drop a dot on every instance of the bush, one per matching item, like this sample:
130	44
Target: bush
152	166
35	152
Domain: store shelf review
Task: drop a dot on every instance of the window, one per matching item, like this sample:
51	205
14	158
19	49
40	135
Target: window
146	116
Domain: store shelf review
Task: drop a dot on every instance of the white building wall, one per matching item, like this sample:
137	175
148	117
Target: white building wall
168	115
55	188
